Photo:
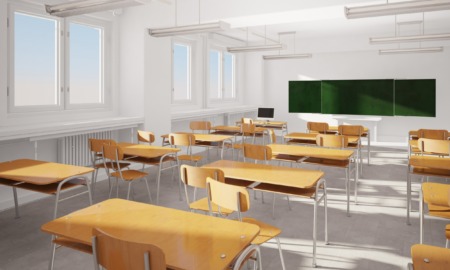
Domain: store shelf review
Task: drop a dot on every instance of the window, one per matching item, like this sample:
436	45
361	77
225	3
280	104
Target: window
221	75
54	63
181	85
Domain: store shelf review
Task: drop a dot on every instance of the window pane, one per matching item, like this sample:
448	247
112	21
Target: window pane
228	75
35	61
85	64
181	72
214	74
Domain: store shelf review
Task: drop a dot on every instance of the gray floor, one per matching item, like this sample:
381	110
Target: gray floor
374	237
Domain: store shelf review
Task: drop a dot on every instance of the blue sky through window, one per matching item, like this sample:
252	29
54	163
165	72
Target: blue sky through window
181	72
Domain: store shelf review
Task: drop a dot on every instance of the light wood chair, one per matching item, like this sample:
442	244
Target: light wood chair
237	199
202	126
317	127
113	253
434	147
429	258
252	252
96	148
145	137
114	154
196	178
354	132
185	140
437	198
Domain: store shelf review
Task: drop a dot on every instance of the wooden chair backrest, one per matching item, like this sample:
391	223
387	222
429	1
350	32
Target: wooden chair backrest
145	136
245	120
437	134
317	126
182	139
196	176
96	145
436	193
115	254
112	152
333	141
351	130
200	125
257	152
228	196
248	129
272	136
439	147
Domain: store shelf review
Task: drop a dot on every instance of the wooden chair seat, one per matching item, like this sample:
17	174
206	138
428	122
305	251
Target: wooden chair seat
65	242
130	175
302	192
202	205
190	158
430	257
266	231
113	166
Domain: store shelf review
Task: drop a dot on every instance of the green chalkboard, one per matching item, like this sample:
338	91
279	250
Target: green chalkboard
415	97
305	96
358	97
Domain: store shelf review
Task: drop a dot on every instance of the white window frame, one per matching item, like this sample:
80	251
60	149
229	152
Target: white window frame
191	44
222	51
62	70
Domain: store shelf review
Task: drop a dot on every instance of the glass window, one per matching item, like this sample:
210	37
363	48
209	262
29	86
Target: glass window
35	61
228	75
181	72
86	82
215	88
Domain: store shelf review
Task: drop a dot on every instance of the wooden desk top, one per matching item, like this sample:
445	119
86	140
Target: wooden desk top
316	152
202	137
146	151
236	129
427	257
38	172
190	241
268	124
336	128
430	162
270	174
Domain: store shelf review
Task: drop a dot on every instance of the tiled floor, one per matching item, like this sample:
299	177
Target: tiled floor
374	237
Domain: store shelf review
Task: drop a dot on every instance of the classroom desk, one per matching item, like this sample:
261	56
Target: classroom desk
425	257
190	241
339	158
277	125
45	177
206	140
308	181
424	165
153	156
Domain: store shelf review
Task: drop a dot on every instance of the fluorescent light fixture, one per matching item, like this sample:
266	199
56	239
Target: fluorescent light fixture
270	47
396	8
189	29
286	56
381	40
88	6
412	50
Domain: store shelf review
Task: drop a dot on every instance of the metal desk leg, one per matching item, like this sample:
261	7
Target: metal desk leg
408	195
347	188
16	202
421	214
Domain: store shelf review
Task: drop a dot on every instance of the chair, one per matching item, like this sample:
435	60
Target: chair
437	197
202	126
251	252
196	177
434	147
114	154
429	257
245	120
58	242
113	253
145	137
354	132
317	127
186	140
237	199
96	148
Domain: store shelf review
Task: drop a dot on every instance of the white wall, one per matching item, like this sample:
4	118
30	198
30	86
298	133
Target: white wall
362	65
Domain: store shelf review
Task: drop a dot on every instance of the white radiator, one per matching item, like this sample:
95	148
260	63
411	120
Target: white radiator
74	150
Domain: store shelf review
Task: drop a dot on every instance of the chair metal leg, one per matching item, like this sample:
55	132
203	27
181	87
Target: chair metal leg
408	195
16	202
273	206
325	204
289	202
157	184
314	264
446	243
421	215
52	255
129	189
281	253
148	190
347	189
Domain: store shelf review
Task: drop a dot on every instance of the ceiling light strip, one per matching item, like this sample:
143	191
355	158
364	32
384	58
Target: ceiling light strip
286	56
88	6
269	47
383	40
412	50
396	8
189	29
